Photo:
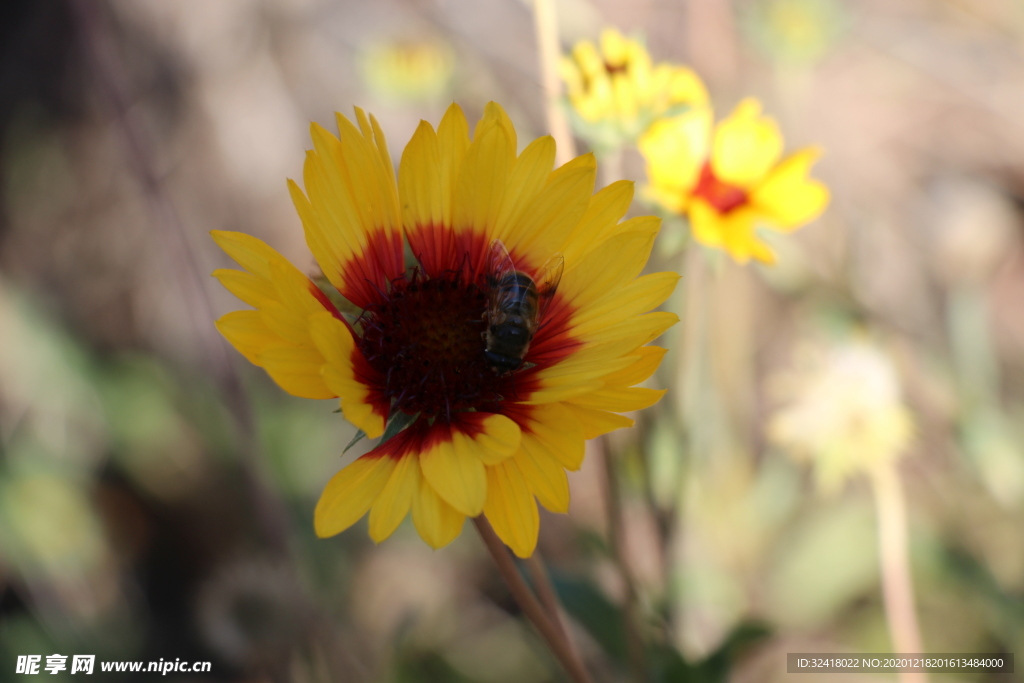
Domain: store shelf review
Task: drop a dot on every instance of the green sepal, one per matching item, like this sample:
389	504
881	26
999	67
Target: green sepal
398	422
360	435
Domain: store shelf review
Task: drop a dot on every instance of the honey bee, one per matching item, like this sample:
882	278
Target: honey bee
515	306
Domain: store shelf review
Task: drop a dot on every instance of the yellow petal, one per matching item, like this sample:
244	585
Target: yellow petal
705	225
620	400
529	174
376	133
453	140
296	369
496	438
287	316
551	217
395	499
351	218
633	298
733	230
334	342
686	87
483	178
495	113
248	333
571	75
511	509
350	493
601	220
610	265
788	197
627	336
451	465
544	474
419	180
437	522
554	428
295	291
614	46
251	253
582	371
590	60
597	422
372	175
624	93
675	149
745	146
332	232
287	324
647	359
252	289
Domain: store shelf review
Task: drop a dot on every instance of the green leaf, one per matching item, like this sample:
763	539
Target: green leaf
598	615
671	667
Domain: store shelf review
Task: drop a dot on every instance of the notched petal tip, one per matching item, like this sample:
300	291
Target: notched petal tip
350	493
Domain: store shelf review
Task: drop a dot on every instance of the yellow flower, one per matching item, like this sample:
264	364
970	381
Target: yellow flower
616	92
410	70
730	178
842	410
479	441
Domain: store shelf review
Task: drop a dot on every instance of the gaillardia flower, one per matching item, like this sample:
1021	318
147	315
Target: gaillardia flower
409	70
842	410
412	254
730	178
616	93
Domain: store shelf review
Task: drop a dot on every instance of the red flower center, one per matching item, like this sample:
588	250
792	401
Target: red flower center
720	195
613	69
424	338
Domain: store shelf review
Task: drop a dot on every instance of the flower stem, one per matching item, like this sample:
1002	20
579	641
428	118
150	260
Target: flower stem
546	592
558	645
634	643
546	27
897	585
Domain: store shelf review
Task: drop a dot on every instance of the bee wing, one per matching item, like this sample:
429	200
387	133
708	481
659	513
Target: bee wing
499	267
547	281
499	261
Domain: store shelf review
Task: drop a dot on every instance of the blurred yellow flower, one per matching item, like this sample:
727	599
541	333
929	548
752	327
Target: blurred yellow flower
798	31
729	177
616	92
409	70
842	410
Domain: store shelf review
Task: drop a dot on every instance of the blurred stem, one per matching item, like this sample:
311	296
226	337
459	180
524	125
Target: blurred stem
691	383
190	278
546	592
545	22
976	366
611	170
611	166
556	642
897	585
271	514
613	497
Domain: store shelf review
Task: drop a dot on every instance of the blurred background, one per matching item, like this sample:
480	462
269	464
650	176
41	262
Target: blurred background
156	491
